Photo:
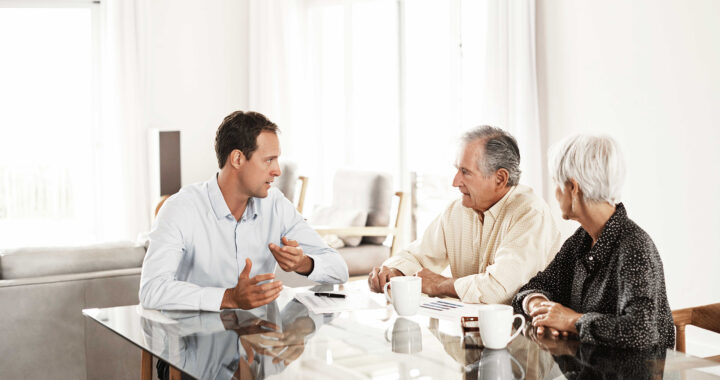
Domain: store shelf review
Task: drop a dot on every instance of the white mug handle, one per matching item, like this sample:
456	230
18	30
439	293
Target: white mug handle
385	290
519	330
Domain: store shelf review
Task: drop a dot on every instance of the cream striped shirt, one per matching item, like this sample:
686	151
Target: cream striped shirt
489	259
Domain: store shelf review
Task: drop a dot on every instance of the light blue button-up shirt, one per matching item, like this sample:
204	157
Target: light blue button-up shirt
198	249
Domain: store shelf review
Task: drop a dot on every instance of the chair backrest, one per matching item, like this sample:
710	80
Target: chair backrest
287	183
706	317
366	190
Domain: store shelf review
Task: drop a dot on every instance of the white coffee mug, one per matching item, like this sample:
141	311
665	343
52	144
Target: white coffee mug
405	294
495	322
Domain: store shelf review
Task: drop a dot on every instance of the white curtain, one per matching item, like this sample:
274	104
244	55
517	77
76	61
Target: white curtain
124	207
508	95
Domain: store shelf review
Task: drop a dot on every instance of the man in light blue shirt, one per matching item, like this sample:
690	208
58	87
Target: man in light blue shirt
215	245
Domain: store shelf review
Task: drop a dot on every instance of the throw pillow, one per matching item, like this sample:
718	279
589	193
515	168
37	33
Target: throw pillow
337	217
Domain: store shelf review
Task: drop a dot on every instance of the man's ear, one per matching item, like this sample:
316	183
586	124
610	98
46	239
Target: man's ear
502	176
236	158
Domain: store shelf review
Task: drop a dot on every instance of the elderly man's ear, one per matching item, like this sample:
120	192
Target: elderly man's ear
501	178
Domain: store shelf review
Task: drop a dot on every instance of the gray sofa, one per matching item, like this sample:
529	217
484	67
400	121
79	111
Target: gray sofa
42	294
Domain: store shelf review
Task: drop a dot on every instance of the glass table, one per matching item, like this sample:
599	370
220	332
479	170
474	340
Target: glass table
285	340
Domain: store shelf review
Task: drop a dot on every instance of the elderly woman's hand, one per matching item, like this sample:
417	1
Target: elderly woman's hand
554	316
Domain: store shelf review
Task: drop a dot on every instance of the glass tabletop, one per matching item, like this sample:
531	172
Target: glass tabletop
285	340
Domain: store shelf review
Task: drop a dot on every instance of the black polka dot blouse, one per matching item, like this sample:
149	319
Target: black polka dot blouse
618	285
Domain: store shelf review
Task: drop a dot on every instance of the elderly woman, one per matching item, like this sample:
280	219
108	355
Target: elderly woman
606	283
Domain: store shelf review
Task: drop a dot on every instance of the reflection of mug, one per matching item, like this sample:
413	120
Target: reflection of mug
494	364
405	294
406	336
495	322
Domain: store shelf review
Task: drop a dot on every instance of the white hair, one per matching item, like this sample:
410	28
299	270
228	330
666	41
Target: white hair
594	162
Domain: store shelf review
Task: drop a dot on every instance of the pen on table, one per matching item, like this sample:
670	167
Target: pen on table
331	295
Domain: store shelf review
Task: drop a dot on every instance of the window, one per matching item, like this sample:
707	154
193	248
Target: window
48	123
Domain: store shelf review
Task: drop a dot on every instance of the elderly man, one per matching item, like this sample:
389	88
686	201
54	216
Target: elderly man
495	239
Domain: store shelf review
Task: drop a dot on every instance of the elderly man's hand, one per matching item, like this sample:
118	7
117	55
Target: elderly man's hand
380	276
290	257
553	315
437	285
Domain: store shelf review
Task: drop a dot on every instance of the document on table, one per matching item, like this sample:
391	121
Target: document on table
446	309
354	300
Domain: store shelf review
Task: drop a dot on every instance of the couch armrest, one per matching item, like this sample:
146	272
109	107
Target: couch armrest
70	277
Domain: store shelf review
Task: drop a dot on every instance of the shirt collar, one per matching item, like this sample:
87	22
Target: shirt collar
494	211
608	237
220	207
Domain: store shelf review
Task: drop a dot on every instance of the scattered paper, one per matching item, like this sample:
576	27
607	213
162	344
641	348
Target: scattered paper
446	309
354	300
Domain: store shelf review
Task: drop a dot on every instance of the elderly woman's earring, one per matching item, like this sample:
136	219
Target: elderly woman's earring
572	204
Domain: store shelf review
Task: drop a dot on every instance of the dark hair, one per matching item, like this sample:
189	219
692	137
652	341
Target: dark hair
501	151
240	130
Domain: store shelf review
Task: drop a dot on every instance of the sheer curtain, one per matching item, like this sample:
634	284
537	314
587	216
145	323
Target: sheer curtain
124	205
73	162
501	78
326	72
329	71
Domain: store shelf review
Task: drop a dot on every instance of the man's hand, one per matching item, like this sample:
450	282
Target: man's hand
380	276
436	285
555	316
290	257
247	294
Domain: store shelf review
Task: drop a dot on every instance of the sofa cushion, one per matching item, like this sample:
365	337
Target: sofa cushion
46	261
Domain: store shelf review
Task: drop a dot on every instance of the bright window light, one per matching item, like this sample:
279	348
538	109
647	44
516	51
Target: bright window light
46	126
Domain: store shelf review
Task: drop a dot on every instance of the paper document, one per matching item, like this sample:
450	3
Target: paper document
446	309
354	300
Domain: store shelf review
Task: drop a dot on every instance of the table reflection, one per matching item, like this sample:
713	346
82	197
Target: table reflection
233	344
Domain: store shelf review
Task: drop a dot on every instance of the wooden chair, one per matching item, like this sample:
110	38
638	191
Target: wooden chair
706	317
393	231
288	183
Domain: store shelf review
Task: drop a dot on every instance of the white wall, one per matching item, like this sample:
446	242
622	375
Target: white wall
646	72
196	74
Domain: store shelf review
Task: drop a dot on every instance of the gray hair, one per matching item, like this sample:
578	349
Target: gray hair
594	162
501	151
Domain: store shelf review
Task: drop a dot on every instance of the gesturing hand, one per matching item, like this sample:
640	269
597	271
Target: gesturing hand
290	257
247	294
379	276
554	316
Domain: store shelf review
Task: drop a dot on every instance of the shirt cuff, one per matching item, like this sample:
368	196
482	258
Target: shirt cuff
466	290
406	267
527	298
211	298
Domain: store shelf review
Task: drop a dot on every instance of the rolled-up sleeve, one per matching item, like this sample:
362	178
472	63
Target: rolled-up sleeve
429	252
159	287
527	247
